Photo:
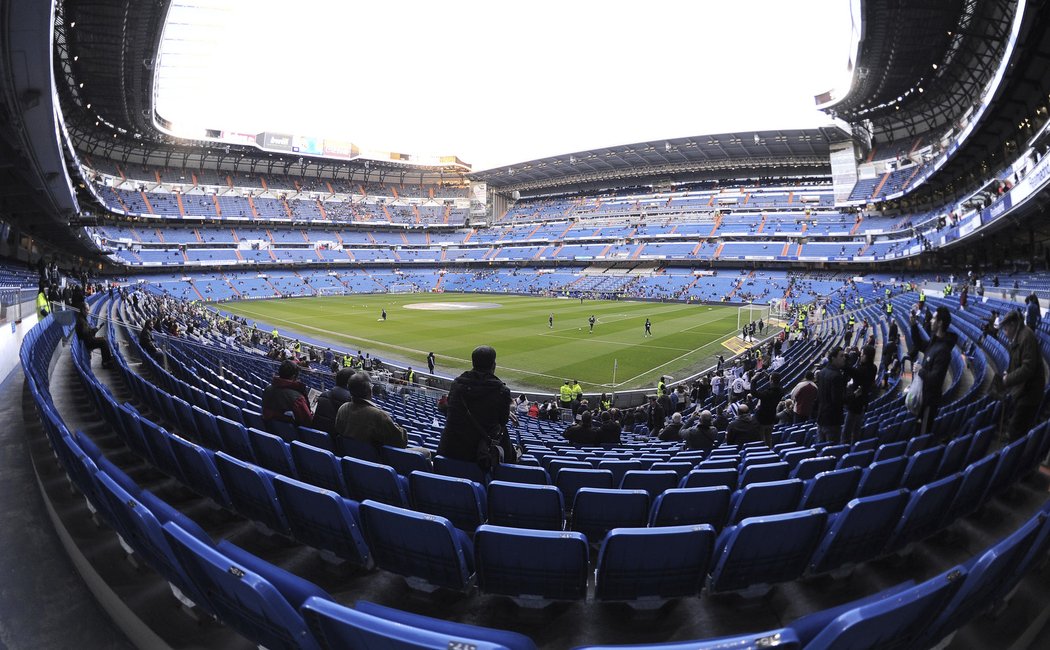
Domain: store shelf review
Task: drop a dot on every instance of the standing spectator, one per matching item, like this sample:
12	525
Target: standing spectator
430	362
804	396
656	416
934	367
478	408
286	394
768	397
862	376
1024	378
831	396
329	402
1032	316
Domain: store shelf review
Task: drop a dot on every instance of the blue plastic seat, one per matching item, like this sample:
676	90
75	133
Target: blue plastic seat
158	440
373	627
618	468
1006	469
512	473
234	437
922	467
954	456
141	527
974	486
653	482
765	472
251	492
759	551
254	597
461	501
682	506
760	499
859	532
315	438
882	476
323	519
271	452
890	450
856	459
782	639
207	428
680	468
925	513
894	621
459	469
647	566
810	467
366	480
318	467
710	478
831	490
596	511
405	461
988	578
523	505
426	550
571	479
198	468
534	567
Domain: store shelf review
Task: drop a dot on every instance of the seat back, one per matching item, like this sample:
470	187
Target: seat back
323	519
522	505
367	480
831	490
426	550
461	501
653	482
318	467
596	511
533	567
882	476
710	478
761	551
859	532
571	479
649	565
769	498
682	506
512	473
240	596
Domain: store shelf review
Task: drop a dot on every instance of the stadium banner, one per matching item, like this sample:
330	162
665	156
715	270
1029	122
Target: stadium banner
274	141
308	145
238	138
970	225
1032	182
997	209
339	149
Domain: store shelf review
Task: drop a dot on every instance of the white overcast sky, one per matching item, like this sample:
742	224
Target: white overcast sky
500	82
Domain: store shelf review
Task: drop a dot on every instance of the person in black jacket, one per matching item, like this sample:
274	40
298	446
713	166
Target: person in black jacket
768	398
937	358
1024	379
831	396
478	408
328	402
862	377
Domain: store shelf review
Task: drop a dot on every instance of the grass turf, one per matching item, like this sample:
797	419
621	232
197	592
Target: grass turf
529	352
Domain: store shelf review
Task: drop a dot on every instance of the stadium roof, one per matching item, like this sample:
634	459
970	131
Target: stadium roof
921	63
767	153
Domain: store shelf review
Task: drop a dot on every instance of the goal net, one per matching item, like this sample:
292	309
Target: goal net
401	287
751	313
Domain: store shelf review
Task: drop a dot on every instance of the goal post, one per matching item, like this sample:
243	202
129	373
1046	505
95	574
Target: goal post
751	313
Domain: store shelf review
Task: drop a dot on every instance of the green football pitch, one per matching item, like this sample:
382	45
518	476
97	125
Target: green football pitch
530	353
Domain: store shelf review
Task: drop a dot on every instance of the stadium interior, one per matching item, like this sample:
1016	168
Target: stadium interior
148	504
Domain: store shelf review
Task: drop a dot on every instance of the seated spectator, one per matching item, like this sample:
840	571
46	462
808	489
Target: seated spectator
86	333
702	436
673	431
744	428
785	412
609	431
329	402
580	432
286	394
534	410
362	420
146	341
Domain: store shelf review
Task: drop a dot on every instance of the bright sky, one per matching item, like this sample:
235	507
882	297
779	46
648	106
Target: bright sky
495	82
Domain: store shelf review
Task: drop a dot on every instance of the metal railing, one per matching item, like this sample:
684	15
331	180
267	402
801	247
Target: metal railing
16	303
